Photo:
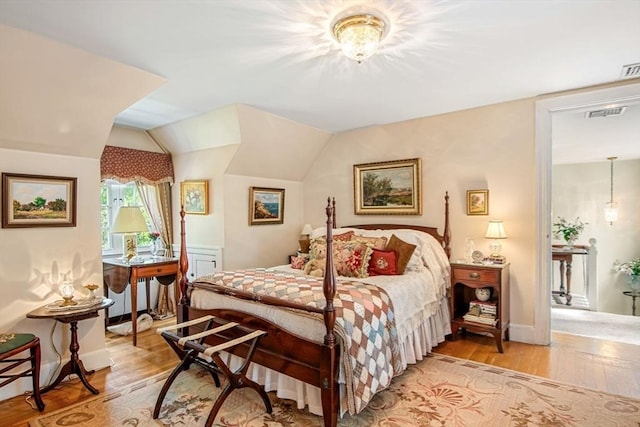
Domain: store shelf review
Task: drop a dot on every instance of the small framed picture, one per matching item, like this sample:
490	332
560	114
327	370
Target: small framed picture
266	205
194	196
38	201
477	202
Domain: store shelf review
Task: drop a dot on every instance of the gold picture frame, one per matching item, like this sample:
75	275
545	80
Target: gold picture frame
38	201
266	206
388	188
194	197
477	202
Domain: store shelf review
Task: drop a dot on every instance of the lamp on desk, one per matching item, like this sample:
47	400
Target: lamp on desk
495	231
128	222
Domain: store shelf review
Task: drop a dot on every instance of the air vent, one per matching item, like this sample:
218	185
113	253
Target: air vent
630	71
614	111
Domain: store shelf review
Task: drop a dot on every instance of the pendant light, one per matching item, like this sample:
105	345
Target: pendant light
611	208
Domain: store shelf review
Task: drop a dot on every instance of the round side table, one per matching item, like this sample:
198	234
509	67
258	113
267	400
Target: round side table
633	296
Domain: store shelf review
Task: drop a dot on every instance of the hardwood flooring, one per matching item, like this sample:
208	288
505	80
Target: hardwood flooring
593	363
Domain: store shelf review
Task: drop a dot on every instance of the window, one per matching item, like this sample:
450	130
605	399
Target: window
112	196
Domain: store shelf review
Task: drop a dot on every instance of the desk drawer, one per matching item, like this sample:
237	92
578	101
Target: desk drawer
157	270
475	275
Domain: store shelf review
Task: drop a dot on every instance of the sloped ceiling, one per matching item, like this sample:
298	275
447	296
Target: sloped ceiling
269	146
58	99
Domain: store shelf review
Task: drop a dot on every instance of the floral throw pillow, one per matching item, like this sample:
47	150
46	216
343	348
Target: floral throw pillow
299	261
350	258
383	263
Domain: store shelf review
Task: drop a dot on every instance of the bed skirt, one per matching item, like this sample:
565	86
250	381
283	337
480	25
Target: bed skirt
413	349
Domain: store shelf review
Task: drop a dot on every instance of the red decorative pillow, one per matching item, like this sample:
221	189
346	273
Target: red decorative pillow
383	263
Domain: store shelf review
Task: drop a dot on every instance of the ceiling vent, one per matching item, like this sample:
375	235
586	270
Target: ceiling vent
605	112
630	71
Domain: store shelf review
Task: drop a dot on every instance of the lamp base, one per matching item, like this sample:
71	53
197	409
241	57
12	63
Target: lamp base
304	245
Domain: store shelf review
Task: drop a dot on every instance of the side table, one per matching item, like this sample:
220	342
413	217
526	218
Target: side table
71	316
633	296
118	274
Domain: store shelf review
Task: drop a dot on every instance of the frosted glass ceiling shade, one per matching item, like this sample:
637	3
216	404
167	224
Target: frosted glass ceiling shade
359	35
129	219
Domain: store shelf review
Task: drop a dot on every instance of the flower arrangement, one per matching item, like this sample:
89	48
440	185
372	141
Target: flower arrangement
569	231
154	235
631	268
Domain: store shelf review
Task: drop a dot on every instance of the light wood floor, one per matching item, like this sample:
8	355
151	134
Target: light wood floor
603	365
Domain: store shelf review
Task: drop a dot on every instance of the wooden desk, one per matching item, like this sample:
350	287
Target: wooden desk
565	257
117	274
72	316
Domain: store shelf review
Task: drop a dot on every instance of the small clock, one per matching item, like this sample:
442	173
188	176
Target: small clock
477	256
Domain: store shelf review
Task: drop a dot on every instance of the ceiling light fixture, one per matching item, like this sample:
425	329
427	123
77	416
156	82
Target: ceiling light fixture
611	209
359	35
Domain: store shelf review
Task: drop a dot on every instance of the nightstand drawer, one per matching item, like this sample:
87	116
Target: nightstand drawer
475	275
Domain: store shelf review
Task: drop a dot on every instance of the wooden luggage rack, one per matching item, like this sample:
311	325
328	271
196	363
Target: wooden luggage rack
191	348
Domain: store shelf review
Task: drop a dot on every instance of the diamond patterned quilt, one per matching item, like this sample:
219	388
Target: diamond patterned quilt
365	323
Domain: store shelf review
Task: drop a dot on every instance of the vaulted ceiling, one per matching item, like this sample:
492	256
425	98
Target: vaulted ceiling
278	56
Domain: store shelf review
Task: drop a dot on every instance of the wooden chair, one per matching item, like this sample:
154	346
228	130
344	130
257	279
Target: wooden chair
14	345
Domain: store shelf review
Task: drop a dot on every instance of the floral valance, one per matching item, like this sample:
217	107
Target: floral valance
126	165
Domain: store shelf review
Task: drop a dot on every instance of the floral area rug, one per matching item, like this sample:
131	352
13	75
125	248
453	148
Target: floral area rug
439	391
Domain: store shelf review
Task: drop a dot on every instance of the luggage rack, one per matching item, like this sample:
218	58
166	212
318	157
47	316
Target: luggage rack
190	349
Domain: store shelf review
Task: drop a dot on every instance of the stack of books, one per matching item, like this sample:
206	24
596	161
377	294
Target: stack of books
483	312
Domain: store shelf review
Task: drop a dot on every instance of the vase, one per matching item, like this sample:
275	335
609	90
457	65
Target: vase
570	242
156	247
634	283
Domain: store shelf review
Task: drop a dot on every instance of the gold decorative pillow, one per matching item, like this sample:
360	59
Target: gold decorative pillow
404	251
379	243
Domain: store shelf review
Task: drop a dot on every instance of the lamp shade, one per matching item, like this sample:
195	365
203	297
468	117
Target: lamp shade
307	229
495	230
129	219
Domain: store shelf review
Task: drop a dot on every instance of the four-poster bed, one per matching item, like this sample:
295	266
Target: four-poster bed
310	347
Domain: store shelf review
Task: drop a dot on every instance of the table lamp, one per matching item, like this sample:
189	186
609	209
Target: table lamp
495	231
304	241
128	222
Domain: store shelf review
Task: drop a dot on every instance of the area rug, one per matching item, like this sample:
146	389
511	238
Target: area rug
439	391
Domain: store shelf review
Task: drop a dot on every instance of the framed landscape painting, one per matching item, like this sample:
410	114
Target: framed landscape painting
266	206
194	196
477	202
388	188
38	201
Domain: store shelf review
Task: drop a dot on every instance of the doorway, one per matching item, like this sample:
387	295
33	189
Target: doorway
545	110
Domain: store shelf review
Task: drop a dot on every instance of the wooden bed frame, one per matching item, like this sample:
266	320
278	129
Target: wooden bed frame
296	356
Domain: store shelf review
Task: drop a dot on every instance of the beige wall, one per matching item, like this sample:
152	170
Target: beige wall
489	147
34	260
582	190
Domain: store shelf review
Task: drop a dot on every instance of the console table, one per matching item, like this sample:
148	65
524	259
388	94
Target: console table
72	316
565	257
118	274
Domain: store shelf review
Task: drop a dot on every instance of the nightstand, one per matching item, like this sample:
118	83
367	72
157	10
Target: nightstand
465	279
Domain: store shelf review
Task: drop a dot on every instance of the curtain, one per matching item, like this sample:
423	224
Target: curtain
157	200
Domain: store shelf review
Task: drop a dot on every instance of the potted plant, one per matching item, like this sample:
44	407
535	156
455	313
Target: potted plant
568	231
632	269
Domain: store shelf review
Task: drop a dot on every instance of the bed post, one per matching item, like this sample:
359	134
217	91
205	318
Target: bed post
447	229
333	212
330	351
183	267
